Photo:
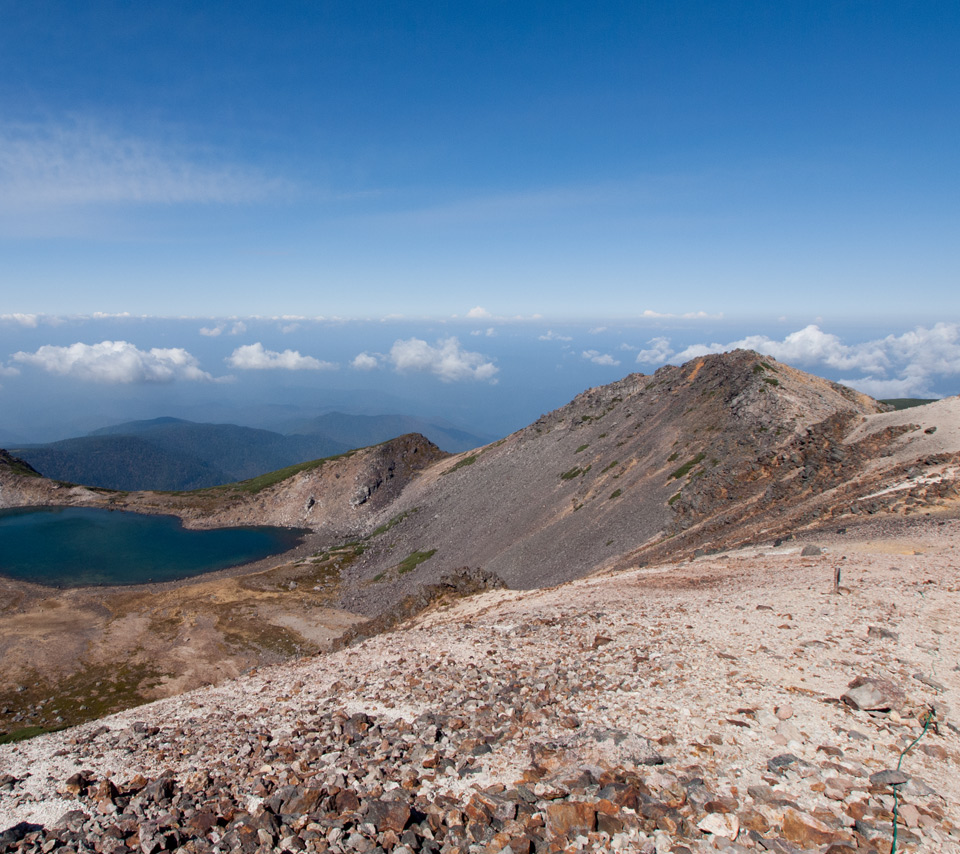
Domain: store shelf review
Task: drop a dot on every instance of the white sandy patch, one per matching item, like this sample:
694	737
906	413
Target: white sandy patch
942	416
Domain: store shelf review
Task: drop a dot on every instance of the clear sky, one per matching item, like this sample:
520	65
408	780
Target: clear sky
685	175
555	158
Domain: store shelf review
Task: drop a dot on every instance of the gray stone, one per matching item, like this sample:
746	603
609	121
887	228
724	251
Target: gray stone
932	683
889	777
777	846
881	633
873	694
872	832
778	763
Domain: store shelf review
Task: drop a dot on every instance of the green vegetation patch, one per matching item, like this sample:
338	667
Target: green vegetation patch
412	561
396	520
672	500
26	732
616	493
607	468
576	471
263	637
92	692
18	466
685	468
582	448
673	457
258	484
466	461
771	381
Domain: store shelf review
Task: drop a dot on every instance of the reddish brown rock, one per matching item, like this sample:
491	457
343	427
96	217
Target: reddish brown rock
347	801
201	822
805	830
388	815
751	819
721	805
570	818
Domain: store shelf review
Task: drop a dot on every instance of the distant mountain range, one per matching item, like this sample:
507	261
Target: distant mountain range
175	454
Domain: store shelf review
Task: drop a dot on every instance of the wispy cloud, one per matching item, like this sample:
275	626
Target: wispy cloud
550	335
78	163
894	366
29	320
447	360
115	362
254	357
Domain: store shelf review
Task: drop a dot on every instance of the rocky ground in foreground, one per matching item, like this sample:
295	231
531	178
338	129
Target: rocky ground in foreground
712	705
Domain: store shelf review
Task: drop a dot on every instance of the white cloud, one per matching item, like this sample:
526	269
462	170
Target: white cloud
447	360
895	366
254	357
478	312
599	358
8	370
365	362
550	335
884	389
809	346
489	332
596	330
237	328
115	362
660	351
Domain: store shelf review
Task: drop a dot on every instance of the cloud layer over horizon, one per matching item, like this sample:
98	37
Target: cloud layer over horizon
894	366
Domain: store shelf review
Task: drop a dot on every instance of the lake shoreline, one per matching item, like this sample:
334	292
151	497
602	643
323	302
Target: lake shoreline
112	544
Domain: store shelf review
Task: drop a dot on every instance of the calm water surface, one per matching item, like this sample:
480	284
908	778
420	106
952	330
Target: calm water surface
76	546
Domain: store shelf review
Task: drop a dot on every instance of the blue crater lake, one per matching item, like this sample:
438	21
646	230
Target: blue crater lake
79	546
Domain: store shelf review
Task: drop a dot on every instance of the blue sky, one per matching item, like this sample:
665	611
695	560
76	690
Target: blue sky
688	174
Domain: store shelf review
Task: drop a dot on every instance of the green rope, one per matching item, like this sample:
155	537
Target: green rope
928	719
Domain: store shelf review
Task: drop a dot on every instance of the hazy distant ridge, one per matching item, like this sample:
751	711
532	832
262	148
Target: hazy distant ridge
175	454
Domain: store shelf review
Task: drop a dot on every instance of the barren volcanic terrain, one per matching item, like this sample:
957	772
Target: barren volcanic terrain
733	606
683	707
